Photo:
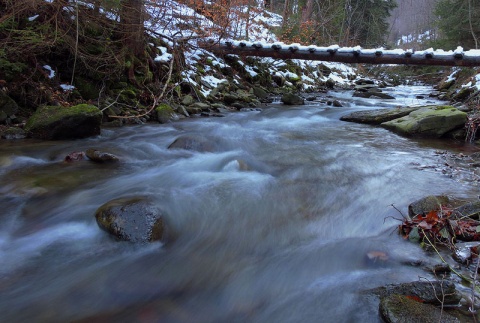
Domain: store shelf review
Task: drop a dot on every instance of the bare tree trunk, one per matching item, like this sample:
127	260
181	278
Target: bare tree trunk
307	11
131	19
286	13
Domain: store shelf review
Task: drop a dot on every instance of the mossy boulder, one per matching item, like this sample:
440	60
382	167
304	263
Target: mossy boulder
165	113
292	99
188	100
429	121
135	219
57	122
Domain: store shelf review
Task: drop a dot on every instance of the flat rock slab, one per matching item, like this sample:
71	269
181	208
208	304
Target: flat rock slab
378	116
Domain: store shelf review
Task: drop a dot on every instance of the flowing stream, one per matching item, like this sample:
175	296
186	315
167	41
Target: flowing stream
274	225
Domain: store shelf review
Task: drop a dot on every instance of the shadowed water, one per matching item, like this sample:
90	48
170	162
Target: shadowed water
273	226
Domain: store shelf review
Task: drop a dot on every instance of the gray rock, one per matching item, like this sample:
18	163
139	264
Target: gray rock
471	210
337	104
292	99
377	116
430	121
427	204
134	219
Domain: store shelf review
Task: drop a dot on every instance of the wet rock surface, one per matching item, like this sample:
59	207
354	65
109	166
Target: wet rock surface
400	308
430	121
135	219
100	156
379	116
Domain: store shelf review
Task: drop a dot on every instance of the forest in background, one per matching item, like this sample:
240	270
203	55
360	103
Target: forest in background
104	42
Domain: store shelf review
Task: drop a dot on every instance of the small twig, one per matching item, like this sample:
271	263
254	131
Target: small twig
155	99
403	216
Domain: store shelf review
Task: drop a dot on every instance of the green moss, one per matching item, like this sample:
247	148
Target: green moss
164	112
88	89
49	114
9	69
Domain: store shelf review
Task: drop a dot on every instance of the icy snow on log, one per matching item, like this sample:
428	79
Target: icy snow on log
335	53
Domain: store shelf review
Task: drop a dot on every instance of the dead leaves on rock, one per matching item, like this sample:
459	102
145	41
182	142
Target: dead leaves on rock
442	225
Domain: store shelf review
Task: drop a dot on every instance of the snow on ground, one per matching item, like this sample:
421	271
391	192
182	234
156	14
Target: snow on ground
175	17
171	22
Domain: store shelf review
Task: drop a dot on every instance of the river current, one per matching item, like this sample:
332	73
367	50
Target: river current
274	225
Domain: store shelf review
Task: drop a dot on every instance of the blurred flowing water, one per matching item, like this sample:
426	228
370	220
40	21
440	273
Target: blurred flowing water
273	226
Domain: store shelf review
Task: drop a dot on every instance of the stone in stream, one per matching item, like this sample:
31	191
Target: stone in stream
378	116
56	122
401	308
135	219
196	143
427	204
292	99
100	156
429	292
429	121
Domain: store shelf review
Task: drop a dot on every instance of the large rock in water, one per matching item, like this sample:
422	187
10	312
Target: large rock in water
424	291
378	116
292	99
430	121
55	122
134	219
400	308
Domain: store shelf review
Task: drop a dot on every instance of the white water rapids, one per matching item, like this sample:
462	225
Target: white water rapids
283	241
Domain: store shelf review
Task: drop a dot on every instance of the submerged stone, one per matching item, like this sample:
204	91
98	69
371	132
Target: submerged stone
190	142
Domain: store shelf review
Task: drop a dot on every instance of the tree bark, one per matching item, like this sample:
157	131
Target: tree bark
307	11
131	20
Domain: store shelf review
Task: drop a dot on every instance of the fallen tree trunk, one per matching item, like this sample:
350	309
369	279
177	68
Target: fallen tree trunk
346	54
